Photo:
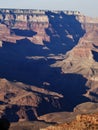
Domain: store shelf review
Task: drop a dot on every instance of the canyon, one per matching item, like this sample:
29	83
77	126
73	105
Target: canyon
48	64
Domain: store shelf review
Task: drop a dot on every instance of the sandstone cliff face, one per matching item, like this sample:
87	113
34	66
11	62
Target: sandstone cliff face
24	20
55	51
36	20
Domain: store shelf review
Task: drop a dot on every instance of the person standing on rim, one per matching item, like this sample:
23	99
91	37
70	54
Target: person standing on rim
4	124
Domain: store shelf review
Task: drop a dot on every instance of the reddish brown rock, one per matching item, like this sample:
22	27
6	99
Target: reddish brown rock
16	98
80	46
82	122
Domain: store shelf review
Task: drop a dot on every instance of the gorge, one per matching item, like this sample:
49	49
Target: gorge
48	63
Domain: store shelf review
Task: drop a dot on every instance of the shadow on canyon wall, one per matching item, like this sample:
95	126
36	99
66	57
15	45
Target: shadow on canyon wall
95	55
17	67
20	32
64	31
19	64
11	113
71	86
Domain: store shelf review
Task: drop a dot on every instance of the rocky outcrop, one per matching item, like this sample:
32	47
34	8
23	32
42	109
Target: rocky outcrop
82	122
21	19
62	117
24	20
82	59
36	20
23	101
48	58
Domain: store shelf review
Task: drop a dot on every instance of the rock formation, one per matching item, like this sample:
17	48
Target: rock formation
47	58
22	101
82	122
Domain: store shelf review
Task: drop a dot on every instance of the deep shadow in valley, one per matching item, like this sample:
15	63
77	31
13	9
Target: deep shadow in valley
11	113
64	31
71	86
30	63
17	65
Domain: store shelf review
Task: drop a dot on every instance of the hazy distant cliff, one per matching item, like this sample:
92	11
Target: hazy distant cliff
29	15
35	20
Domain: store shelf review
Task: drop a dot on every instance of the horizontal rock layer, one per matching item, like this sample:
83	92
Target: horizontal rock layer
48	58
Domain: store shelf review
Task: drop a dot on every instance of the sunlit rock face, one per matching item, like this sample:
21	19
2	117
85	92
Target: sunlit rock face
24	23
48	62
15	23
84	121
